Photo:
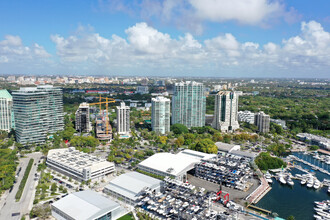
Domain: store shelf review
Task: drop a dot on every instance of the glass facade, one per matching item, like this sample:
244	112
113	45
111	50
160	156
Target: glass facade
160	115
189	104
6	113
38	111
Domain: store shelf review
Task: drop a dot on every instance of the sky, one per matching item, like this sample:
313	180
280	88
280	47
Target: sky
167	38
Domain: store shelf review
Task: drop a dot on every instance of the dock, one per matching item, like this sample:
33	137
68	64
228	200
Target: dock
259	209
324	151
311	165
259	192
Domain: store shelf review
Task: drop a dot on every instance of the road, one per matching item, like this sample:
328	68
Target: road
8	204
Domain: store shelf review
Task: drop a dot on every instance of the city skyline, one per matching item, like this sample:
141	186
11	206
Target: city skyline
166	38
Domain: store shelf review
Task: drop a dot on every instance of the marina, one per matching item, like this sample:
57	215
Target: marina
295	188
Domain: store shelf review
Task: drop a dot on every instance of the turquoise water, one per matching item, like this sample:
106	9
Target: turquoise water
297	200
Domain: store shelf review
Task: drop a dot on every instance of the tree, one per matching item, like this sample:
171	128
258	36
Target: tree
179	129
40	211
264	161
53	188
179	141
217	136
291	217
162	139
68	133
205	145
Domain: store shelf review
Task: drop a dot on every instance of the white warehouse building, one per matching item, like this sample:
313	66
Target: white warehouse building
173	165
86	205
129	186
78	165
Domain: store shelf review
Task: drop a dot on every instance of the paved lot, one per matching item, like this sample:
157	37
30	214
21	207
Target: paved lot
8	204
234	194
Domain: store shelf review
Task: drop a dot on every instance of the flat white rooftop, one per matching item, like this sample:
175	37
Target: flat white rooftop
131	184
85	205
70	157
174	164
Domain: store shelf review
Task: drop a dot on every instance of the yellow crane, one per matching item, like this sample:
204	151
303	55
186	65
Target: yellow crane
105	101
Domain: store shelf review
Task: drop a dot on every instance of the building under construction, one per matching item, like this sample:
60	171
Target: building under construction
103	128
83	123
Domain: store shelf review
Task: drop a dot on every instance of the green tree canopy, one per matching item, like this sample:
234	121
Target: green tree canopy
205	145
179	129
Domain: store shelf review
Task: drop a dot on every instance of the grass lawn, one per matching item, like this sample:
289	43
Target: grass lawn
128	216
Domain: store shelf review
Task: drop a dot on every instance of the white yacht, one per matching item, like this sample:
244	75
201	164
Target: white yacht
329	189
303	182
290	182
268	176
317	185
281	178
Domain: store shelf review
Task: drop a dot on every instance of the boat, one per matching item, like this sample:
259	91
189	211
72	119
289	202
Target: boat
317	185
309	185
268	176
289	181
303	182
329	189
281	178
269	180
317	217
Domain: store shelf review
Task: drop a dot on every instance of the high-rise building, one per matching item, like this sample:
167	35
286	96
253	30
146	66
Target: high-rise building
160	115
6	111
262	121
38	111
225	111
189	104
82	118
123	119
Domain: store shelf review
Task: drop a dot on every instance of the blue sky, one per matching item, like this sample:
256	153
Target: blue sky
232	38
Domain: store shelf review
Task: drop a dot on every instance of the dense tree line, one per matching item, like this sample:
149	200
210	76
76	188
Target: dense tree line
8	166
265	162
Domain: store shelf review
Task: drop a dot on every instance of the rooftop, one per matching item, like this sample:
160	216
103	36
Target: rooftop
225	147
5	94
173	164
85	205
77	160
131	184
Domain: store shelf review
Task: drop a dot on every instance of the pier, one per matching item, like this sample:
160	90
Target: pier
259	209
311	165
259	192
324	151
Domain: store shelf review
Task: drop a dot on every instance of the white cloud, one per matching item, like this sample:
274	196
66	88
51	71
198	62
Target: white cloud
245	12
146	39
147	50
12	50
192	14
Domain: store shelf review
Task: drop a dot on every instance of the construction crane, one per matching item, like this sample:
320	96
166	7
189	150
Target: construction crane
105	101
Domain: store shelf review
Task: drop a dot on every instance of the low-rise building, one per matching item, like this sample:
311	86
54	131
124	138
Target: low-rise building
227	148
320	141
246	116
173	165
78	165
142	90
129	186
86	205
279	122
